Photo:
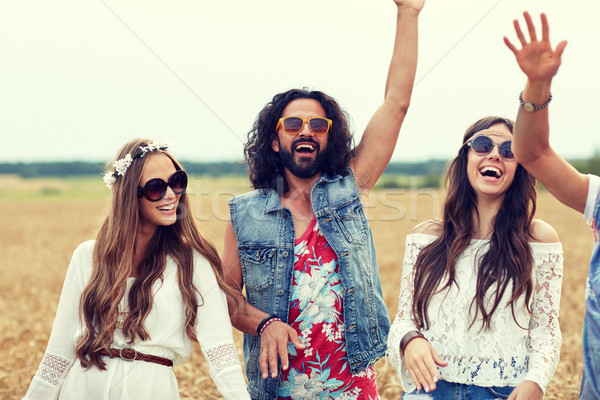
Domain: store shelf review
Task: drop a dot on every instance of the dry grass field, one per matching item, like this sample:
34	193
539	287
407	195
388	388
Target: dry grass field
42	221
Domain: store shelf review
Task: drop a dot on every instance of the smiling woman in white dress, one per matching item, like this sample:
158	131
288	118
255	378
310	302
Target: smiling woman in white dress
135	299
478	310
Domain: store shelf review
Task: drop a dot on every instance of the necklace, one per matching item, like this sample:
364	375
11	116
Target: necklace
121	320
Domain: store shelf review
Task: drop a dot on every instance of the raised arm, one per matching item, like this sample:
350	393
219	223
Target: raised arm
275	338
531	146
375	149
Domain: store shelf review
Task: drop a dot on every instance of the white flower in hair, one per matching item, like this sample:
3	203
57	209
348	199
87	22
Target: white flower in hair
109	179
120	166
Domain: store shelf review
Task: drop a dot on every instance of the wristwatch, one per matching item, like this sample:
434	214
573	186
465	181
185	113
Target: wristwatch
530	107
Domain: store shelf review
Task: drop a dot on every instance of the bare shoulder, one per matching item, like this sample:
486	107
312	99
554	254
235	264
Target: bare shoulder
543	232
429	227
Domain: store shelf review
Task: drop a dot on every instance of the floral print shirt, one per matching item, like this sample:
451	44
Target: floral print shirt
321	370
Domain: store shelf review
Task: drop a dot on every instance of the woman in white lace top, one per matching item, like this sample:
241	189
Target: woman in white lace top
135	299
480	291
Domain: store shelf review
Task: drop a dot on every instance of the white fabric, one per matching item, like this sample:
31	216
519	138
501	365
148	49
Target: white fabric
504	355
593	193
60	375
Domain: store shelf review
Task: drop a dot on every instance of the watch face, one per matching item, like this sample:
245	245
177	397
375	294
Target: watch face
529	107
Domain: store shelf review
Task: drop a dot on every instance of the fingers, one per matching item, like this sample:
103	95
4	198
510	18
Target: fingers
437	359
415	380
283	356
510	46
545	29
519	33
283	353
560	48
425	376
423	380
267	360
530	26
420	364
296	340
431	363
273	346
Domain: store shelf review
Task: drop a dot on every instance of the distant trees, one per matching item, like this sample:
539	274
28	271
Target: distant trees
589	166
78	168
429	173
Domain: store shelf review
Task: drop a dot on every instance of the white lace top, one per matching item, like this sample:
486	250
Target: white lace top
504	355
60	375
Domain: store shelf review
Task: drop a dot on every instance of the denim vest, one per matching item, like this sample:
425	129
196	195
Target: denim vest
265	236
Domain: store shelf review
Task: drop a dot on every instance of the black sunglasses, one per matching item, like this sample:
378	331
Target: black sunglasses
155	189
483	145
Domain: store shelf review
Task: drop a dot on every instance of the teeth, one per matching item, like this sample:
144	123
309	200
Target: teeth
167	208
494	170
305	146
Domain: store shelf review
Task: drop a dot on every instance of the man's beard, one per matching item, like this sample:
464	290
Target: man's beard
306	169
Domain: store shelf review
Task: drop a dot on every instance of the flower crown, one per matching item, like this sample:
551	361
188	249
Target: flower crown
120	166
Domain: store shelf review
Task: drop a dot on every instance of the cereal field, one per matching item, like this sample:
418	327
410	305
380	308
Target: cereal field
42	221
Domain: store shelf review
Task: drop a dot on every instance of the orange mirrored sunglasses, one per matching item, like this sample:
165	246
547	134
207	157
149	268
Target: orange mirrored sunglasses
293	125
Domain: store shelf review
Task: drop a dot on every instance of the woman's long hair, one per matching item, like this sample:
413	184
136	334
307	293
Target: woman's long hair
113	264
509	258
265	168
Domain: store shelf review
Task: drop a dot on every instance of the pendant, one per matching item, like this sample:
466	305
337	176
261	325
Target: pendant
121	320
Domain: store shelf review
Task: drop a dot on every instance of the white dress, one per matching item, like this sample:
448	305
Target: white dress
60	375
504	355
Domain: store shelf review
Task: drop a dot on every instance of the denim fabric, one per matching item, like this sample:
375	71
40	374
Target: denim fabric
590	384
265	236
458	391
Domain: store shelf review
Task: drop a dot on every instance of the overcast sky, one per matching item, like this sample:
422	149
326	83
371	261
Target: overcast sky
79	78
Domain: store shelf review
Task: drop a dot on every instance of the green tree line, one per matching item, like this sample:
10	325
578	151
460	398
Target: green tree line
429	172
216	169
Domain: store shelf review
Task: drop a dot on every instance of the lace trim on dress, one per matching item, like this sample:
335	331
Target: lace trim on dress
222	356
52	369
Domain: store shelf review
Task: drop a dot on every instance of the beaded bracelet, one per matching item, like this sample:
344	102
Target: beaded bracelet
266	321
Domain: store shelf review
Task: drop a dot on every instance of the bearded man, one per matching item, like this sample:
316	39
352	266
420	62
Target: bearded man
313	317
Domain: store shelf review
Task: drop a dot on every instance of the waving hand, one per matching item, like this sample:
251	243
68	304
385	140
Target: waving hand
536	58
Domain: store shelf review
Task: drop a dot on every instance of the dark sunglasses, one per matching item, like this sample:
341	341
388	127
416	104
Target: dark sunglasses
155	189
293	125
483	145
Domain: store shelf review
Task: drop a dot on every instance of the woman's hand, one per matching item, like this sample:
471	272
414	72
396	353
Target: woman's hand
421	360
527	390
416	5
536	58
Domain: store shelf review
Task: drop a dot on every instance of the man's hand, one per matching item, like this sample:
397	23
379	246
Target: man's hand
421	360
536	58
527	390
273	343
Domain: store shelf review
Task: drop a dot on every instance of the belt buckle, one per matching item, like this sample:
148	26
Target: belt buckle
128	348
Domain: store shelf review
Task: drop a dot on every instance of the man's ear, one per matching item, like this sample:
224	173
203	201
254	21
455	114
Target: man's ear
275	143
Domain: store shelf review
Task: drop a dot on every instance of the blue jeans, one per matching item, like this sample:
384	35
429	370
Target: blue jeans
458	391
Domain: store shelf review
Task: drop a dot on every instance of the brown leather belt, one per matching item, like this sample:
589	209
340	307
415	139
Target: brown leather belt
130	354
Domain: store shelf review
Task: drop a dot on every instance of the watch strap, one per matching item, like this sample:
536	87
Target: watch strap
530	107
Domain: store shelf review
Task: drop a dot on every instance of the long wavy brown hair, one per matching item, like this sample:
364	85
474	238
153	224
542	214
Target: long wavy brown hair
113	264
509	258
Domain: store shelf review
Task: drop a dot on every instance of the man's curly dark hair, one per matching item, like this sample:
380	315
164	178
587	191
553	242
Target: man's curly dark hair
264	164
